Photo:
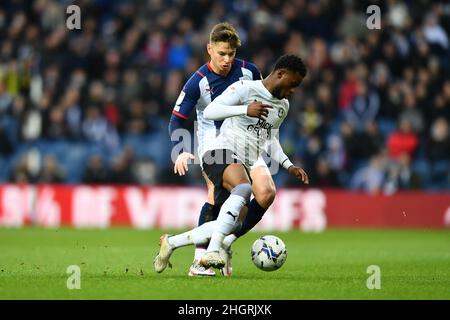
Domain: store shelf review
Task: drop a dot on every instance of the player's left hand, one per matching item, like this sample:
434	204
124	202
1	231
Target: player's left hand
181	164
299	173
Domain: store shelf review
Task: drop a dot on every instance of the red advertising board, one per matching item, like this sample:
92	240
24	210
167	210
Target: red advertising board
85	206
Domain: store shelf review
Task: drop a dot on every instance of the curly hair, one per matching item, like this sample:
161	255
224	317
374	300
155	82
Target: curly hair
291	62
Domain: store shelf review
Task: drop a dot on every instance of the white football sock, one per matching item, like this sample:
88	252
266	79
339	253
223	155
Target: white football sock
226	221
199	252
199	235
228	241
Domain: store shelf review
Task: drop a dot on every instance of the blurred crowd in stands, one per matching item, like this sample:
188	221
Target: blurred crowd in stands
92	105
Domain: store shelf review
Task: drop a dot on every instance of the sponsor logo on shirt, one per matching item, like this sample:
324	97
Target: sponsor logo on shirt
245	77
259	127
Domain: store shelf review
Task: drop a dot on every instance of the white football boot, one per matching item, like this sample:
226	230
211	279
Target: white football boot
226	255
165	251
197	270
212	259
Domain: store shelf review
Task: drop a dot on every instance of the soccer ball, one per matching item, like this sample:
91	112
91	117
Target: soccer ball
269	253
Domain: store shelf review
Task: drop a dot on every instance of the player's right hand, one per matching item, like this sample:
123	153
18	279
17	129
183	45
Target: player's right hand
181	164
257	109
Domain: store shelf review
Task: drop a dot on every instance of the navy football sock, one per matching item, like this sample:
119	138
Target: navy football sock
208	213
254	215
205	213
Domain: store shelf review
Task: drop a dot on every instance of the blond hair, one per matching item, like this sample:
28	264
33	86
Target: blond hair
225	32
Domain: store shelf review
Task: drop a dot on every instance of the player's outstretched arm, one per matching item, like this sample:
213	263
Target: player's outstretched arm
231	104
184	105
217	111
181	163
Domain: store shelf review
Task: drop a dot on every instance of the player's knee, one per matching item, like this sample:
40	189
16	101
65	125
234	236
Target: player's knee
206	214
265	196
244	190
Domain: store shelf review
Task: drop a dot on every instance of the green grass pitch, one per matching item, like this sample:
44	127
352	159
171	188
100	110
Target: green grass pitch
117	264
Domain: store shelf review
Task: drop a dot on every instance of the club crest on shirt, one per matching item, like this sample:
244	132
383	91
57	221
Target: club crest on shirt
245	77
280	113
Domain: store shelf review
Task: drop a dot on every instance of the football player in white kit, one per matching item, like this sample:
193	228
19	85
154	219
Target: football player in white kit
206	84
227	159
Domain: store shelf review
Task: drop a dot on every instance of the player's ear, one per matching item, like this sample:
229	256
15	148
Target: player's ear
280	73
209	48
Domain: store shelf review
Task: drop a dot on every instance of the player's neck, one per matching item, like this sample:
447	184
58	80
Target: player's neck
268	85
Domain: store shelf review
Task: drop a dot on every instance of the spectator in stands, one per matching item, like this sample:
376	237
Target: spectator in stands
372	177
362	145
5	99
145	171
121	171
325	103
323	175
401	175
438	152
54	124
136	118
6	147
96	171
72	112
20	172
446	96
440	107
131	88
404	140
372	140
27	168
95	128
335	154
351	144
364	107
312	153
310	118
434	33
347	90
411	113
51	171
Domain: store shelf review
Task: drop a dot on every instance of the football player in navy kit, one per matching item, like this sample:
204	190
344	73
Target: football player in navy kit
207	83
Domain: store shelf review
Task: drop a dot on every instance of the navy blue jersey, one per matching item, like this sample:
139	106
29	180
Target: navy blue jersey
202	88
